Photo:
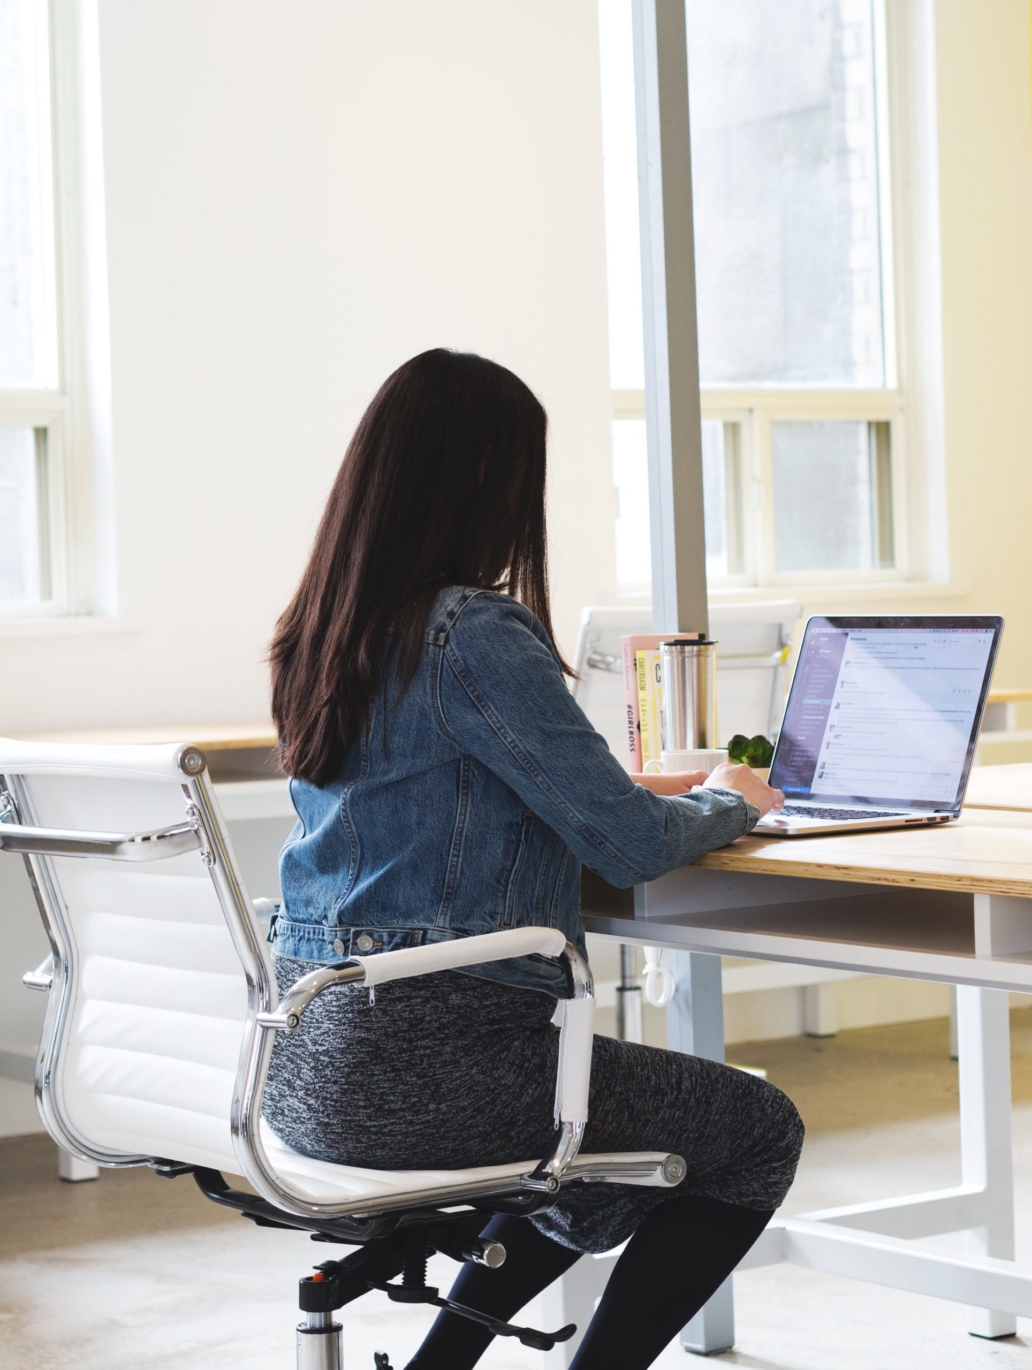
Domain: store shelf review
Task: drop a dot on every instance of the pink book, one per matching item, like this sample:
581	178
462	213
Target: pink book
641	642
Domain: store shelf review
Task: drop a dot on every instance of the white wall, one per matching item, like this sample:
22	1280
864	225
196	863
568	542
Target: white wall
299	197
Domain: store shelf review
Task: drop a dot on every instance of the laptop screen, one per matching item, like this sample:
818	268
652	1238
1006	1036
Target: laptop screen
886	710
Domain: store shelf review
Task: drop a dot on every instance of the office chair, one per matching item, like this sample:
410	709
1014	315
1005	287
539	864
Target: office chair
163	1009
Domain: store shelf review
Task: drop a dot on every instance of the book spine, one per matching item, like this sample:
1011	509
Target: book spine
642	675
650	703
656	717
632	713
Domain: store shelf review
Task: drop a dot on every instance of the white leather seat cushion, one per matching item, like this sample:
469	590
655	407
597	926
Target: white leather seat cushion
323	1180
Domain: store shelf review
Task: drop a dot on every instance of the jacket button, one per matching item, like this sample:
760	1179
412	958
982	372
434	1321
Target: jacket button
365	942
338	947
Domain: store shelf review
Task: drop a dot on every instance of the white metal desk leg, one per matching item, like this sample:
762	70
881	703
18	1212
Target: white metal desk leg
695	1025
983	1040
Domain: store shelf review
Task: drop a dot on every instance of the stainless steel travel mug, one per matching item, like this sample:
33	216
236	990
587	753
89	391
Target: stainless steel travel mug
689	695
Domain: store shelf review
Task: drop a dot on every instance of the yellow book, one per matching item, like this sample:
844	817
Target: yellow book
650	703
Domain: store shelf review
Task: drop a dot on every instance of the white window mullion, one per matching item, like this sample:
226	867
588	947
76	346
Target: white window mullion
30	406
761	496
900	499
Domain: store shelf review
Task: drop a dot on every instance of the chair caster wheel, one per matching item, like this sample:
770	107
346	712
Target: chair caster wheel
381	1360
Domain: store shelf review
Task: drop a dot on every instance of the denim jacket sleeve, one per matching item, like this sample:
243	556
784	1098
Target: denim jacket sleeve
501	696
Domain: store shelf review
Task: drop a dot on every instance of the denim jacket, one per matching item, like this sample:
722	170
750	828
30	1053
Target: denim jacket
470	802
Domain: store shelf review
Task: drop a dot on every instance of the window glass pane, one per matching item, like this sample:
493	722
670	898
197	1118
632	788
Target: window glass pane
23	552
785	169
832	496
28	331
722	514
631	477
722	493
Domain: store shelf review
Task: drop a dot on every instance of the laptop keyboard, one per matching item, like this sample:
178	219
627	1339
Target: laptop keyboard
811	811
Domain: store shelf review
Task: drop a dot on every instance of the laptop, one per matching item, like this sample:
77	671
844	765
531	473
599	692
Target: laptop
881	723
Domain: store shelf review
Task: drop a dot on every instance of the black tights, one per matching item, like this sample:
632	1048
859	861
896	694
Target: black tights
679	1256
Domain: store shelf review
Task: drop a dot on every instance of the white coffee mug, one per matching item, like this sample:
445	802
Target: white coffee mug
699	759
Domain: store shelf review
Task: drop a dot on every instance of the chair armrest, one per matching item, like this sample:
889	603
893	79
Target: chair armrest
412	961
461	951
108	846
575	1038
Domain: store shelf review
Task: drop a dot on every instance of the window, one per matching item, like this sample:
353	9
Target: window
44	427
28	313
802	413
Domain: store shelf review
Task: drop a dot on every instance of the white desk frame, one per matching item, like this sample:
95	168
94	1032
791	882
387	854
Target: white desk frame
705	914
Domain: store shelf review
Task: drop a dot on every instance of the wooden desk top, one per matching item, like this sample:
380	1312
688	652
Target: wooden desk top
1003	694
985	851
1000	787
211	737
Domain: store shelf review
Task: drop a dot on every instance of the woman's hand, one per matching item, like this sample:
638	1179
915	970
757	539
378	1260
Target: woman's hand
670	782
748	784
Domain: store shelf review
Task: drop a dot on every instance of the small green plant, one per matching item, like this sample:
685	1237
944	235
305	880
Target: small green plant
756	751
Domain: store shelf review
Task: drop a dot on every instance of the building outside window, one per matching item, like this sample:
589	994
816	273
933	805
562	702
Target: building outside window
803	412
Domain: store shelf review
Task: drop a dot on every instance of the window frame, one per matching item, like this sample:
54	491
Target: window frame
910	402
46	410
71	409
754	410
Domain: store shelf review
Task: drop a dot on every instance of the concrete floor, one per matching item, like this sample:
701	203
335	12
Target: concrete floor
132	1270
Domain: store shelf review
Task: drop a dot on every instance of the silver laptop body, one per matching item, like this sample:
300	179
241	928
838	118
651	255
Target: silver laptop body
881	722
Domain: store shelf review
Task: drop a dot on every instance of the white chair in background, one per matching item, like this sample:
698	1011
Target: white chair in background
753	651
1000	734
162	1012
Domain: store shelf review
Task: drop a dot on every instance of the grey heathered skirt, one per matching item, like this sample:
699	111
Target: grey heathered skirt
449	1071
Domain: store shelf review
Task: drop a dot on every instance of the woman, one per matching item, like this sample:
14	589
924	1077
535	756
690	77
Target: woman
446	784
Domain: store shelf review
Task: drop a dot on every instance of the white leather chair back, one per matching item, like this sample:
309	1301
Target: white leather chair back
157	998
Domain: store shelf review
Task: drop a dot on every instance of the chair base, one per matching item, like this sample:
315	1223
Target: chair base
388	1246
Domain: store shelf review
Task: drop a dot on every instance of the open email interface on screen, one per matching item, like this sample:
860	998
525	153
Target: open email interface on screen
882	714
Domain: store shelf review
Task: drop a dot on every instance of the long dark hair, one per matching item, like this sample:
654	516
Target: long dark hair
442	483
